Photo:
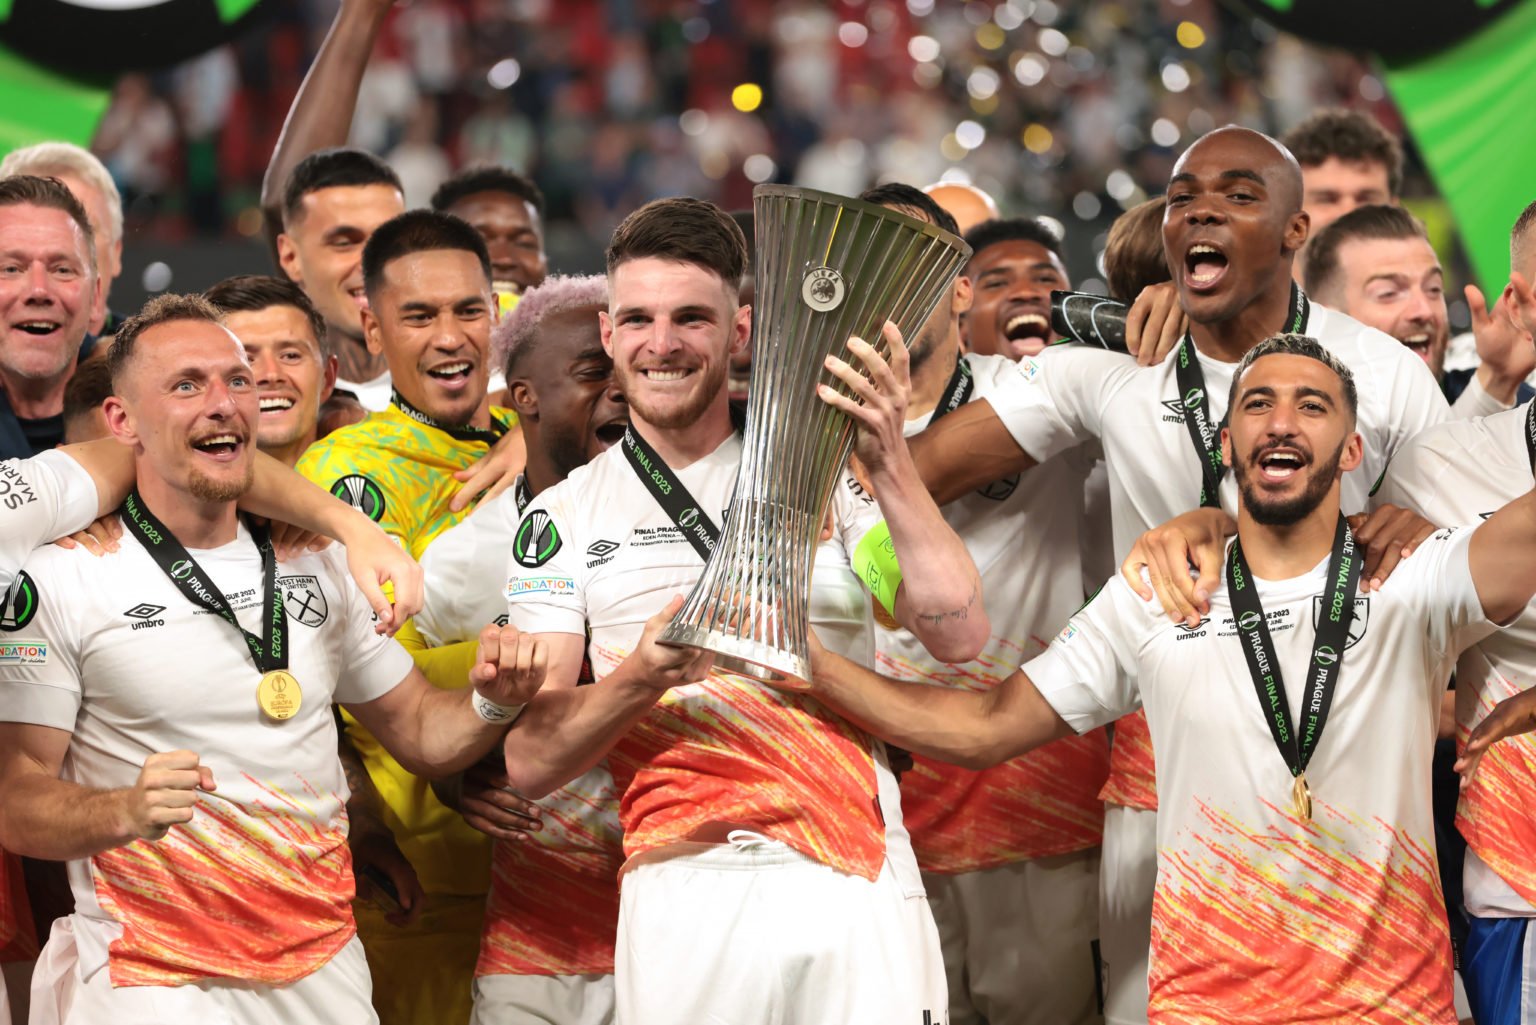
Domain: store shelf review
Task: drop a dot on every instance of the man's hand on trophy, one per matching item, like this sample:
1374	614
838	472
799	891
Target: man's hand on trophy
881	393
665	666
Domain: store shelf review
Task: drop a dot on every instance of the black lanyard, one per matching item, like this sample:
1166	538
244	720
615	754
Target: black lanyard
1204	432
269	652
1530	433
696	526
956	393
460	433
1327	653
520	493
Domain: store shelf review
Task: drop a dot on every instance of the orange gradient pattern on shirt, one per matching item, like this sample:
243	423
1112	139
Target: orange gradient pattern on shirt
730	750
1132	770
552	911
1496	814
258	892
1041	804
18	940
554	904
1335	919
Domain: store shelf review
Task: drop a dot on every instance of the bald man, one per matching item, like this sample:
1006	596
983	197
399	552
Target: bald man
1231	231
967	204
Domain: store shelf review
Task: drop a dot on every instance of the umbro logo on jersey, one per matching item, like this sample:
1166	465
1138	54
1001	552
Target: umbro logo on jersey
21	603
598	549
537	539
1484	516
303	599
1357	622
361	494
147	615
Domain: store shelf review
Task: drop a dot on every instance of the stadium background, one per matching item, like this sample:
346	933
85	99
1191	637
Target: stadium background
1071	110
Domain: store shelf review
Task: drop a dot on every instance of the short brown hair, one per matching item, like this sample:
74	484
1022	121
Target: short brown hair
1520	237
252	293
88	387
31	190
1133	255
683	229
1320	267
160	310
1350	136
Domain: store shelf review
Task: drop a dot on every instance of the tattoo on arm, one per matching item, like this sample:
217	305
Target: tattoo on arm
962	613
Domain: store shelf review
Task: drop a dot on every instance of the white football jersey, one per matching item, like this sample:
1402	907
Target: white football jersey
41	499
1341	914
725	749
1023	535
1460	473
1070	393
465	569
258	885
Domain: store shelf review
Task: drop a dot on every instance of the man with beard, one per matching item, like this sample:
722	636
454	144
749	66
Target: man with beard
1231	229
1009	855
429	315
1459	472
1376	264
547	950
1014	266
48	291
204	821
747	814
1295	856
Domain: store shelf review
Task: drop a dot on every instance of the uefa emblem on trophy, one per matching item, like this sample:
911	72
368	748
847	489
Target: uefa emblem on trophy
826	268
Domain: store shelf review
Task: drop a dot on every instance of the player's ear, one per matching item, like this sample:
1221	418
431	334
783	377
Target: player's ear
1353	454
120	421
605	330
288	259
372	333
524	400
1226	447
741	336
964	295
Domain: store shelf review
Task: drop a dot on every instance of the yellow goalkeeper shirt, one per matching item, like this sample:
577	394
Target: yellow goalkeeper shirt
397	467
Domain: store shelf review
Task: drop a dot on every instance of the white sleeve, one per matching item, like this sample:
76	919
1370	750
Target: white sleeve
1415	401
1412	479
1088	674
1475	401
1437	578
40	651
372	664
544	569
41	499
1055	401
854	511
450	582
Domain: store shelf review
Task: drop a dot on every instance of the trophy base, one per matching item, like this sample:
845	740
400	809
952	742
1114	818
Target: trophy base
752	659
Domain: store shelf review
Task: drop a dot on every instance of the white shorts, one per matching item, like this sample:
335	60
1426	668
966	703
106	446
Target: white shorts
1018	941
1126	881
754	933
65	993
548	999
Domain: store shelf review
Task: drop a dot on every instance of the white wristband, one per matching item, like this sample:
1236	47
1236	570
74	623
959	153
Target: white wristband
490	711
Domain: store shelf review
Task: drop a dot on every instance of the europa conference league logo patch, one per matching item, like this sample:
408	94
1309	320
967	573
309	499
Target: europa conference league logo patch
20	604
537	540
362	494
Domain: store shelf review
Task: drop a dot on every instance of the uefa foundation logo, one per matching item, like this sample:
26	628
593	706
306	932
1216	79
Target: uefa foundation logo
823	289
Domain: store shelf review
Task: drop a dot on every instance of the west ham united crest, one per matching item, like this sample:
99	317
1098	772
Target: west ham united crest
303	599
1357	622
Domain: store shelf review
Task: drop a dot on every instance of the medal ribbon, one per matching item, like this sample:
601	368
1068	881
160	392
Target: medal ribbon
1203	433
1344	564
459	433
520	493
675	500
956	393
269	652
1530	433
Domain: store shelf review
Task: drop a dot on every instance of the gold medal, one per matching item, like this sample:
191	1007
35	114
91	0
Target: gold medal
1301	798
279	695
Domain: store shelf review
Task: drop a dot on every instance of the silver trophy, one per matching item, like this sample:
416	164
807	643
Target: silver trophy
827	268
